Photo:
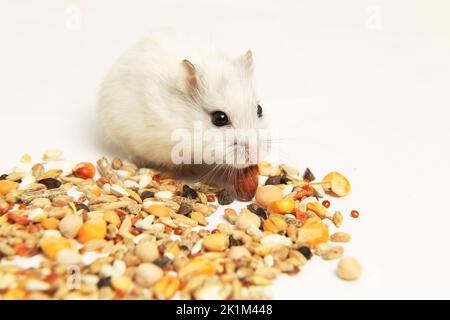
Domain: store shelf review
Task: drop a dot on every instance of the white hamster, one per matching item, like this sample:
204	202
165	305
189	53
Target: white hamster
158	86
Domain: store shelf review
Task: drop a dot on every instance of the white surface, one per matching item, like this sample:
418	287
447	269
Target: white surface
361	87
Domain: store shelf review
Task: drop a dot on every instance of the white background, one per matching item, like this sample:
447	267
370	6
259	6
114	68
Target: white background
358	86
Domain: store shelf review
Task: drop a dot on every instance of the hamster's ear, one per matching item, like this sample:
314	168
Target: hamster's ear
247	60
191	77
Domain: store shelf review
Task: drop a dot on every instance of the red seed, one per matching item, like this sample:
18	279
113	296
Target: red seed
211	198
84	170
326	203
215	231
302	216
168	229
134	232
354	214
178	231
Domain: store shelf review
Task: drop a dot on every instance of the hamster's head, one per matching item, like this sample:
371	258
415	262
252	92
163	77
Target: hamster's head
232	119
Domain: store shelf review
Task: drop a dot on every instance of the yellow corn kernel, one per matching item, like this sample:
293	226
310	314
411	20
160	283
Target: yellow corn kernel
283	206
313	233
166	287
52	245
198	266
93	229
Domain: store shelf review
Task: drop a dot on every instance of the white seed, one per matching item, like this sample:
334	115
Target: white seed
130	184
37	215
254	232
89	279
106	188
213	291
75	194
37	285
51	233
120	267
123	174
149	202
164	195
26	181
349	269
288	189
107	270
197	247
119	191
273	240
268	260
145	224
68	257
146	179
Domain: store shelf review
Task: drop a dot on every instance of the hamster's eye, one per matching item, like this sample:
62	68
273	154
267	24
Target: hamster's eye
220	118
260	111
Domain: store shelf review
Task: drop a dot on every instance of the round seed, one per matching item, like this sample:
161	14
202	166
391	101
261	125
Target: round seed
70	225
147	251
147	274
247	219
349	269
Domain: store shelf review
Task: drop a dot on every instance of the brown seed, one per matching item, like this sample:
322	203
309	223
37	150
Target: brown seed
116	163
246	183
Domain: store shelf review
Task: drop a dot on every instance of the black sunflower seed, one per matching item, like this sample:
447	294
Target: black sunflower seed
82	206
104	282
147	194
273	180
188	192
308	175
225	197
252	207
50	183
261	213
184	209
234	242
162	262
305	251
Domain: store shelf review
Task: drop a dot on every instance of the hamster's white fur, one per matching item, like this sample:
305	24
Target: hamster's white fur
146	95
